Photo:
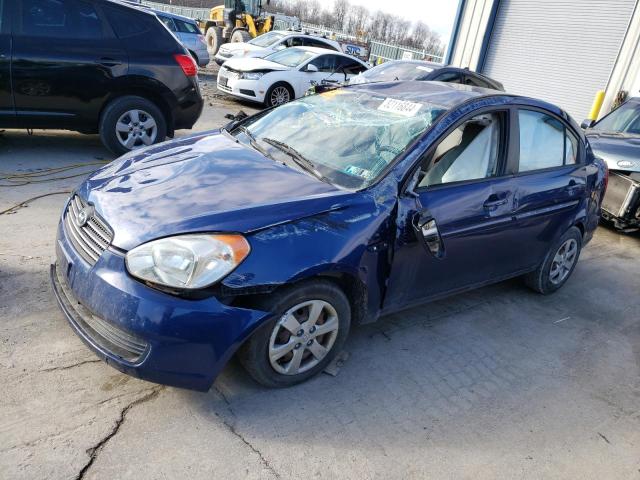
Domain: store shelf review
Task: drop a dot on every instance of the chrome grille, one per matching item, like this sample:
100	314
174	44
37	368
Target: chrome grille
90	235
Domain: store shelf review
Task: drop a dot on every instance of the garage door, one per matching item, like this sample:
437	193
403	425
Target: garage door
560	51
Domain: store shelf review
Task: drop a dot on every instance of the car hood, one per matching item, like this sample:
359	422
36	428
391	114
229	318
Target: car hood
204	183
253	64
620	152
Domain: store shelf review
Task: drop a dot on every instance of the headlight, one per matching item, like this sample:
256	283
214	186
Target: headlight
252	75
187	261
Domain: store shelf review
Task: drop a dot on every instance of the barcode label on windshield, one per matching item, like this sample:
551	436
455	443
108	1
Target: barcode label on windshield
400	107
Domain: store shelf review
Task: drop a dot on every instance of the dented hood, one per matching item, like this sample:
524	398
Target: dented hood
253	64
204	183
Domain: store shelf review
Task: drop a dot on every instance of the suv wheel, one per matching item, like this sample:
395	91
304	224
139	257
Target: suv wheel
558	264
310	325
131	122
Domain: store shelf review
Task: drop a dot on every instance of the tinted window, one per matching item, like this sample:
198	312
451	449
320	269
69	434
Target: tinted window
325	63
168	22
1	13
470	152
314	42
185	27
349	66
545	142
60	19
451	77
139	27
476	82
294	42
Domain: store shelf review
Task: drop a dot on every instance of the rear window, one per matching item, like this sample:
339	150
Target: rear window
186	27
59	19
145	30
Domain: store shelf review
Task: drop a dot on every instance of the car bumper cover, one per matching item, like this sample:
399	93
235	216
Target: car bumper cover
143	332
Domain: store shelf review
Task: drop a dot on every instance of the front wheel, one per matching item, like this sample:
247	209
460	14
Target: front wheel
278	94
131	122
558	265
310	325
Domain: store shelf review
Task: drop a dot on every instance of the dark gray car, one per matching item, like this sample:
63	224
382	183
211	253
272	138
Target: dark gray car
616	139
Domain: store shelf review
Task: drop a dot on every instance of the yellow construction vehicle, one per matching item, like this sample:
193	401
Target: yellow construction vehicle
236	21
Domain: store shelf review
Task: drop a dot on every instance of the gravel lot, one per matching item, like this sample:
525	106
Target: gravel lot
497	383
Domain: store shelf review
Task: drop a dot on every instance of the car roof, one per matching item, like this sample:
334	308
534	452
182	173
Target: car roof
173	15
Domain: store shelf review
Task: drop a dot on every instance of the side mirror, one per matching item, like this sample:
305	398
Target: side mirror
311	68
427	232
588	123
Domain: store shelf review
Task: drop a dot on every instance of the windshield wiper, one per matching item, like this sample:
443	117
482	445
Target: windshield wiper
297	157
253	141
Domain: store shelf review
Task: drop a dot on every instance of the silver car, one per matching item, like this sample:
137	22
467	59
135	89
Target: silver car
189	34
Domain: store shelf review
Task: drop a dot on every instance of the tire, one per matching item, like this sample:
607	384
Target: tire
270	99
293	307
121	112
214	39
240	36
546	279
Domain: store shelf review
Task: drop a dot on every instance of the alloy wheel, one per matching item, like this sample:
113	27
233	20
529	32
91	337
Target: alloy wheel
136	129
280	95
303	336
563	261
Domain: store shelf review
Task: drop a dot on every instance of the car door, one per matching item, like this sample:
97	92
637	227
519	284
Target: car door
65	58
7	113
550	184
452	219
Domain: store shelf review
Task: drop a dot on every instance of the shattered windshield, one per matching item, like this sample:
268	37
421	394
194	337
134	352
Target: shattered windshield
625	119
266	40
345	136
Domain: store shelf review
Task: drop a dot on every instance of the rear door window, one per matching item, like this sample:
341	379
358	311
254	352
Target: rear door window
186	27
295	42
315	42
168	22
545	142
60	19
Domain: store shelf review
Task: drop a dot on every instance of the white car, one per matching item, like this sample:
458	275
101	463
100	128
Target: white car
271	42
287	74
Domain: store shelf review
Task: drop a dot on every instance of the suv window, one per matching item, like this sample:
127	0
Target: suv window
168	22
545	142
60	19
450	77
1	15
186	27
349	66
325	63
136	26
316	42
470	152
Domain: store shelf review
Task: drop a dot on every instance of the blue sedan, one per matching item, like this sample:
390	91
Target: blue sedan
270	238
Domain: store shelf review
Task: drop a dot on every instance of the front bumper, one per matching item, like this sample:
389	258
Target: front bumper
144	332
252	90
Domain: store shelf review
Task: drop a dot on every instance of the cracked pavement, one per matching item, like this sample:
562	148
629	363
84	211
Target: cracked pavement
496	383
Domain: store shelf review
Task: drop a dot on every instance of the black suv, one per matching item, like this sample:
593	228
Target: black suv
94	66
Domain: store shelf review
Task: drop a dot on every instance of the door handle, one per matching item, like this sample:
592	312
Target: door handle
109	62
494	201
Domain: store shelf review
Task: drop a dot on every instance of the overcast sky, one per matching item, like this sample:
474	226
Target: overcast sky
438	14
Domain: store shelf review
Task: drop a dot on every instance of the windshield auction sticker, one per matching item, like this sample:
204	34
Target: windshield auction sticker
400	107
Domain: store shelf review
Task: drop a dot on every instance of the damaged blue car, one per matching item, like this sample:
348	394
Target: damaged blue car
272	237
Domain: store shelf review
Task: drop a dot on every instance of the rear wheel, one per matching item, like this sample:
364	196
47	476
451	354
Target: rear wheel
310	325
558	265
131	122
214	39
240	36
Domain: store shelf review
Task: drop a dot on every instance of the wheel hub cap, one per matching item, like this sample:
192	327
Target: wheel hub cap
302	337
563	261
136	129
